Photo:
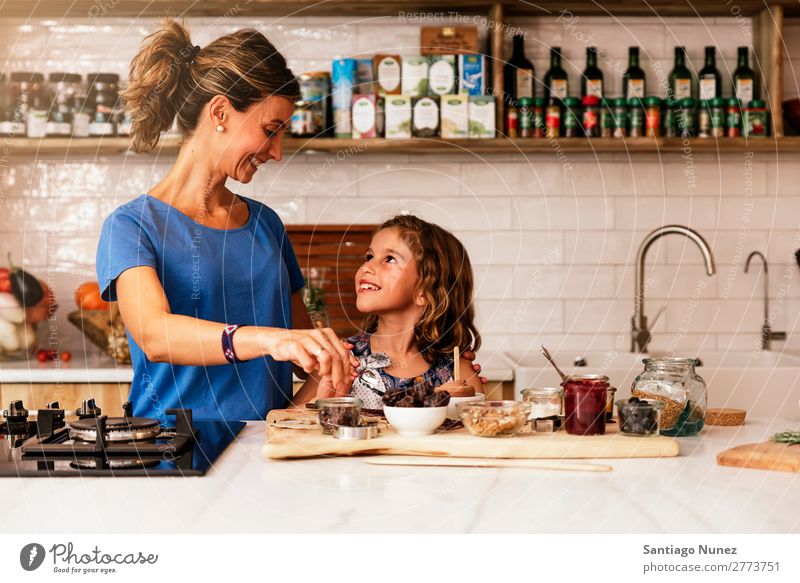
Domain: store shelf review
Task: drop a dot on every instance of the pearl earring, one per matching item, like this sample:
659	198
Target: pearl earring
220	128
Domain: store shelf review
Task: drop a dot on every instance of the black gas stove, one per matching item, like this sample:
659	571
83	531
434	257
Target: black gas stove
43	444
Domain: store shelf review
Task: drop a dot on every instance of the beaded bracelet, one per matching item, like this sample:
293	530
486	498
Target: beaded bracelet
227	343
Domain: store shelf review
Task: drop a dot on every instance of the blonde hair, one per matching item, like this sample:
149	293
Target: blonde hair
446	282
171	78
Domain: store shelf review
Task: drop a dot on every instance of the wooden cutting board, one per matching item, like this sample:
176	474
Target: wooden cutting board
766	455
285	443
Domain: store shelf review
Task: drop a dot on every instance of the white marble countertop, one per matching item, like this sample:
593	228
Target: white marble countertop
99	368
246	493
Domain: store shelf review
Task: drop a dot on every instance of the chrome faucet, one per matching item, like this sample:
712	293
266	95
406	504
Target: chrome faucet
767	335
640	335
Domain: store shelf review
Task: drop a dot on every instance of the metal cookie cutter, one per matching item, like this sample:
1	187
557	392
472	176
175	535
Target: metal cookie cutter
363	431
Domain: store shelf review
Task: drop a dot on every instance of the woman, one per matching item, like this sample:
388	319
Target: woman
190	261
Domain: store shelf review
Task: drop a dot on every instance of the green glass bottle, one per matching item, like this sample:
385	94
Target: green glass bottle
680	78
556	82
744	80
633	81
592	79
709	79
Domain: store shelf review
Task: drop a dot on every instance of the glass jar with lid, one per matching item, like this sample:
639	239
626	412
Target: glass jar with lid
102	103
585	398
63	89
675	382
545	401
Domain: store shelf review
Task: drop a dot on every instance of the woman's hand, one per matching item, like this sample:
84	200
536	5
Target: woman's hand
460	389
470	356
314	350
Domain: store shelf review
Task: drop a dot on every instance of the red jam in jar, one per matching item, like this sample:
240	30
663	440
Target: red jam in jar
585	404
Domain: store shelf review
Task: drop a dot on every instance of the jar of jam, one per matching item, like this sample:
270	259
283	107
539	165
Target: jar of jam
585	398
512	121
539	126
102	102
620	114
717	109
63	87
591	116
733	118
32	102
635	117
525	116
571	117
652	117
704	120
552	119
685	118
606	119
755	121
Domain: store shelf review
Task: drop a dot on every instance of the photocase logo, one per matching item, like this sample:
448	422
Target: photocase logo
31	556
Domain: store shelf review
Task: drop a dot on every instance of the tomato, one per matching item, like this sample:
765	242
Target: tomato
5	282
87	297
41	355
66	356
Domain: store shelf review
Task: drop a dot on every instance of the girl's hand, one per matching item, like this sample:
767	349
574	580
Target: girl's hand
455	389
470	356
326	389
315	350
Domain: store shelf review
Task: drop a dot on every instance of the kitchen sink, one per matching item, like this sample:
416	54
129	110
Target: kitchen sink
764	383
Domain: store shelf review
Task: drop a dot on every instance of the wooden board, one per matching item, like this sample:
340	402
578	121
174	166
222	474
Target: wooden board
302	443
766	455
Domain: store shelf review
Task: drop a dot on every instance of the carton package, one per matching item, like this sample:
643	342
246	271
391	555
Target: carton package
442	75
455	116
481	116
425	116
365	116
472	74
343	78
398	116
387	74
415	75
364	80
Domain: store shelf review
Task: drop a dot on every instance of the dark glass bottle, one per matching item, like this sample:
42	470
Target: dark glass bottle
633	81
556	83
592	79
518	74
680	78
709	79
744	80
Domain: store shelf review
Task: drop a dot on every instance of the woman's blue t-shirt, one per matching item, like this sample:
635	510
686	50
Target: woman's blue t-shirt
235	276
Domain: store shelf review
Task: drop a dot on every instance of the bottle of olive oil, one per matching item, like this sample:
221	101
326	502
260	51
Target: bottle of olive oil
518	73
709	79
592	79
556	82
744	80
633	81
680	78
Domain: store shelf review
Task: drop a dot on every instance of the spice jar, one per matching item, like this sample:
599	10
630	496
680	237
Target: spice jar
635	117
102	103
571	117
717	108
338	411
669	126
704	120
685	118
591	116
545	402
755	121
585	404
620	114
552	119
63	88
675	382
652	117
32	102
610	404
733	118
512	122
12	122
639	417
606	119
525	116
538	117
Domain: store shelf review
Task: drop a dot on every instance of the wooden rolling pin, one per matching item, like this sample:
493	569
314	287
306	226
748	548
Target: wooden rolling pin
456	462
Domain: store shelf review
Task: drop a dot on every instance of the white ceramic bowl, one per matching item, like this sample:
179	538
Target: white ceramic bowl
452	412
415	421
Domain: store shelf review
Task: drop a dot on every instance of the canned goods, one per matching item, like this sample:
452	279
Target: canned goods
620	117
717	117
704	120
538	117
552	119
571	117
685	118
512	121
733	118
635	117
652	117
525	117
756	121
670	108
606	120
591	116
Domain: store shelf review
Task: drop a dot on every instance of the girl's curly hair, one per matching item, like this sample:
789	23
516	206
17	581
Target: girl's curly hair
446	282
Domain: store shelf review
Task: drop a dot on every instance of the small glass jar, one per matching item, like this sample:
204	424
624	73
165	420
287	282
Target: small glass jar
756	120
652	117
639	417
620	114
606	119
685	118
675	382
585	399
704	119
102	103
545	402
635	117
338	411
717	109
612	391
512	122
538	117
733	118
33	103
591	116
63	87
571	117
552	119
525	117
669	126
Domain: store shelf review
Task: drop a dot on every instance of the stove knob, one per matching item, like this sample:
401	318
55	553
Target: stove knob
16	410
88	409
127	409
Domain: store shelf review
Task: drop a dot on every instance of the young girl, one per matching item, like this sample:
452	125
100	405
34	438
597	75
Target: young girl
416	288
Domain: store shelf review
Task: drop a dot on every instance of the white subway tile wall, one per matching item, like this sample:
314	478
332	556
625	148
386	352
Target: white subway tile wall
553	240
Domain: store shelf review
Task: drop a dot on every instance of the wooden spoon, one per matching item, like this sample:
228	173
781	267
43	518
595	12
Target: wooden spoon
555	366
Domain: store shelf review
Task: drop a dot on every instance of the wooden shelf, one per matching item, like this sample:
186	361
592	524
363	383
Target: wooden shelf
96	147
158	8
